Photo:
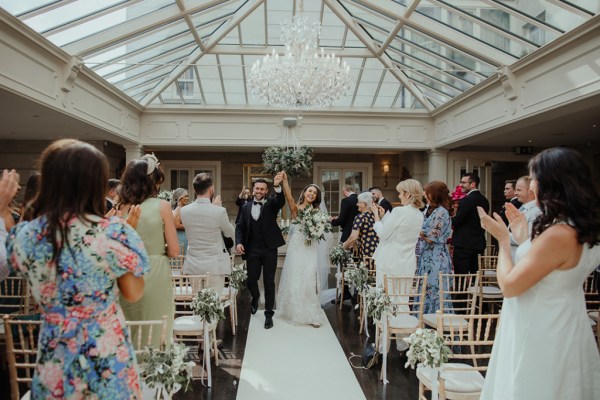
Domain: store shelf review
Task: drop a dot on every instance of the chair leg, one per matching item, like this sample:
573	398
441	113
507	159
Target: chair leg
421	391
342	290
232	315
215	348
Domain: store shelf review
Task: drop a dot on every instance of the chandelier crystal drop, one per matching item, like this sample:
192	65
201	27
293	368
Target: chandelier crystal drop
304	77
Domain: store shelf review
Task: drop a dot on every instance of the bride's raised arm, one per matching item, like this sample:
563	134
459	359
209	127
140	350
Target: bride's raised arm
288	196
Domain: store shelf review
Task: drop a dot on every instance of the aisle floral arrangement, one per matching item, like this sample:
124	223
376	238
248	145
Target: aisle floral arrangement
340	256
378	302
295	161
427	348
238	277
207	304
165	195
313	223
360	277
166	371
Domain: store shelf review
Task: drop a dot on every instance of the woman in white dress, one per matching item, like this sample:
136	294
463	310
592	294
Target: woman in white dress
298	297
398	232
545	347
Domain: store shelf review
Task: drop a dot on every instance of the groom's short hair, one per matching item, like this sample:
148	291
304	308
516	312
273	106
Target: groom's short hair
260	180
202	182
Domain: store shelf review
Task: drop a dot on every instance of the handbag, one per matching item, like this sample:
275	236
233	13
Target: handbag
370	355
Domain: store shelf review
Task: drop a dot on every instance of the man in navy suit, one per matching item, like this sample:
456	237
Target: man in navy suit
348	210
257	237
468	237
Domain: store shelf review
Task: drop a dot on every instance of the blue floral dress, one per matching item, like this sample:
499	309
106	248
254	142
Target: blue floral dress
84	347
434	257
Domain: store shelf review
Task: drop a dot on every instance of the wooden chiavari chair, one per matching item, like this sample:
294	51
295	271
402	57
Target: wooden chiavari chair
456	296
21	350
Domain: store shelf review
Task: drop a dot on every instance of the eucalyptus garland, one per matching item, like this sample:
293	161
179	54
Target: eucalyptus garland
378	302
207	304
360	277
167	369
295	161
165	195
238	277
340	256
427	347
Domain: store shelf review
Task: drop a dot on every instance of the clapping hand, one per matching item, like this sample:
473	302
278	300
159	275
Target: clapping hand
377	210
9	185
217	201
134	215
517	223
495	226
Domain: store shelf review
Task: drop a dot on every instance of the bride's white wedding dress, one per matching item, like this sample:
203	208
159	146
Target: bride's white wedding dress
298	296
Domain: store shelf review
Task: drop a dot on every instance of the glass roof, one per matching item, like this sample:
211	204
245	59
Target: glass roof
403	54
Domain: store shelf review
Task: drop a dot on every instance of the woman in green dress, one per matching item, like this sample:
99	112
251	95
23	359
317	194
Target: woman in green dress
140	185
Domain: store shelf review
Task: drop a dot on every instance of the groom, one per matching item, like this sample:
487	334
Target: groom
257	237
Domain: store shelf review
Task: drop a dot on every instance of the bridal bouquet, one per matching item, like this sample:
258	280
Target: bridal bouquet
339	256
378	302
167	371
207	304
426	348
313	223
238	277
295	161
165	195
359	276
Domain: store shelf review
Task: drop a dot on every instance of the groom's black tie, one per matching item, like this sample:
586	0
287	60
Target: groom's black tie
259	203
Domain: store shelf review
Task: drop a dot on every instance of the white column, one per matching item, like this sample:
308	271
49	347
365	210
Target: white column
133	152
438	165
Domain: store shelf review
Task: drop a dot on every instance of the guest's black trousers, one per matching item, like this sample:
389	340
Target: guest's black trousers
262	260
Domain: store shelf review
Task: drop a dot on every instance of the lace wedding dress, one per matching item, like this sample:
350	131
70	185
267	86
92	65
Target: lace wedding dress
298	294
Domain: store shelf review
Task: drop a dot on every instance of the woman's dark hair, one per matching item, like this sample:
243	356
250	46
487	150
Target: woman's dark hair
73	184
31	191
438	194
317	202
137	185
566	192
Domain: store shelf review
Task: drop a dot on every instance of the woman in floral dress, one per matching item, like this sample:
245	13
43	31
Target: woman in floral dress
72	257
434	257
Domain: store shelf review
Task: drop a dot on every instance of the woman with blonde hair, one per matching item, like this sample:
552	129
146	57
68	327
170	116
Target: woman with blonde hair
398	232
181	198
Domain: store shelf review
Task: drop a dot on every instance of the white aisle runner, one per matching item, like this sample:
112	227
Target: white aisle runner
295	362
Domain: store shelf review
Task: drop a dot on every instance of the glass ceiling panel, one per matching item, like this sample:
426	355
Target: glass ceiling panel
252	28
545	13
21	7
591	6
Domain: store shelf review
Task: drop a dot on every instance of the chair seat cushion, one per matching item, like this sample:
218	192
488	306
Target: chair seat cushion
182	291
403	321
459	378
593	315
191	323
431	320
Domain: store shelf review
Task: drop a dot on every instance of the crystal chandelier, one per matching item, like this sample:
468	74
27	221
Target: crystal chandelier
304	77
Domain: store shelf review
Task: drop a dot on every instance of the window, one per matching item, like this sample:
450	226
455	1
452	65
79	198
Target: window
182	173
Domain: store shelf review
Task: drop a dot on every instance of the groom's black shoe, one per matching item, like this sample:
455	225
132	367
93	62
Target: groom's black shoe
268	323
253	307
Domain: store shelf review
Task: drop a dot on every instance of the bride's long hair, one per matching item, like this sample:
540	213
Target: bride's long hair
317	202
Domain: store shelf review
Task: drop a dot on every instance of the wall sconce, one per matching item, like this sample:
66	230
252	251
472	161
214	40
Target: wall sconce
386	169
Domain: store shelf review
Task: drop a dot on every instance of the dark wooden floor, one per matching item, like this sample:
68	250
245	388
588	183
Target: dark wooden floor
403	382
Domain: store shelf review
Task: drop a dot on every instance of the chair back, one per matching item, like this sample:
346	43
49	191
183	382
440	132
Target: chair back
407	293
590	290
370	265
488	263
14	296
176	264
456	290
142	333
474	334
490	250
185	288
21	350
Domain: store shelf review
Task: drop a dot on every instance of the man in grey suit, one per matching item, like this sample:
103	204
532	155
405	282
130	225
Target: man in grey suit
205	225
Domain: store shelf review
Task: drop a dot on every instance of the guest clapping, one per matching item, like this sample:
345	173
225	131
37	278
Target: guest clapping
9	185
72	257
180	199
363	234
141	182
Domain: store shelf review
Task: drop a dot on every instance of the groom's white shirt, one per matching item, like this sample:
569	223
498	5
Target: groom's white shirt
204	223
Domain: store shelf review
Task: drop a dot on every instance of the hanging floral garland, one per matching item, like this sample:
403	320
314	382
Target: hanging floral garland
295	161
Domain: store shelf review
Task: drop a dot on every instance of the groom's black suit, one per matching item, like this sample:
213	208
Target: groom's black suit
261	239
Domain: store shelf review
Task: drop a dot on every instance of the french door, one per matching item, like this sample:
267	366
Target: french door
331	178
181	174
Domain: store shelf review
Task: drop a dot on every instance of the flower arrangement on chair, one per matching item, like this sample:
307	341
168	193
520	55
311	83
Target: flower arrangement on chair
166	371
359	277
313	223
295	161
238	277
165	195
339	256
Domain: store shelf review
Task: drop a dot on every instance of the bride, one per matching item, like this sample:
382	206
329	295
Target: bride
298	297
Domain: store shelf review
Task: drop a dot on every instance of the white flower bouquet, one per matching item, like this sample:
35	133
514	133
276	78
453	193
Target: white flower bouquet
427	348
166	371
165	195
359	277
378	302
207	304
339	256
238	277
313	223
295	161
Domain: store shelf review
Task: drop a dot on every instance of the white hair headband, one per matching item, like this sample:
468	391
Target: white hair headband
152	162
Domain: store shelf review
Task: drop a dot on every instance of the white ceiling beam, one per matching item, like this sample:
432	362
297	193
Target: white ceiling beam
135	27
523	16
347	19
442	33
190	23
215	38
236	50
570	8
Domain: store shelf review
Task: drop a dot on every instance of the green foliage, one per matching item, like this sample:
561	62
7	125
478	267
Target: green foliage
294	161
